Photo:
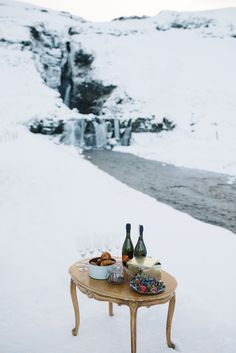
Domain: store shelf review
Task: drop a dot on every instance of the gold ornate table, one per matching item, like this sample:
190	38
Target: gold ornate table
122	295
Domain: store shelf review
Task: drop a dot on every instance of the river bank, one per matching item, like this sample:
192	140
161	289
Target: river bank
206	196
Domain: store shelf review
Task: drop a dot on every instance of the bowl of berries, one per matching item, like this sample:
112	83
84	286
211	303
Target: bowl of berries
143	284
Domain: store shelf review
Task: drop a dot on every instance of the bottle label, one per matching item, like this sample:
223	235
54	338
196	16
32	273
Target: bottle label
125	258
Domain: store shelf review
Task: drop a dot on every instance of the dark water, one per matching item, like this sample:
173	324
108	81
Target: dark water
204	195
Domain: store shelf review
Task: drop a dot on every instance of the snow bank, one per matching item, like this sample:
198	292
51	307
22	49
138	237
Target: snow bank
50	200
183	150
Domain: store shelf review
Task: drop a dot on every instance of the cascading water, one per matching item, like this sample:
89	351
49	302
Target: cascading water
100	134
67	96
68	137
116	129
74	133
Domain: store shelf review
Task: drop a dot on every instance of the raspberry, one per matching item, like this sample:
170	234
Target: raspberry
143	289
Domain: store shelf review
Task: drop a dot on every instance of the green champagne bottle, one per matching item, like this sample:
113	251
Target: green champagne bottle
127	248
140	248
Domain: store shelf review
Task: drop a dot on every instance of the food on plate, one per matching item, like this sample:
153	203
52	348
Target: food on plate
144	284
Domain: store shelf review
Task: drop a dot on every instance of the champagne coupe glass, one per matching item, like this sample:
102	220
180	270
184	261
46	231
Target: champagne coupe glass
108	244
91	250
98	245
90	246
82	254
117	246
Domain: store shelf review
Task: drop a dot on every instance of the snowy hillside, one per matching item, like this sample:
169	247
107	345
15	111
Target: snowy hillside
53	202
175	65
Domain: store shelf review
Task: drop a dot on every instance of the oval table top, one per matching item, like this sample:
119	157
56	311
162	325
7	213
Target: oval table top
121	293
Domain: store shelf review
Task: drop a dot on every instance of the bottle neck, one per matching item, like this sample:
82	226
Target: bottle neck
141	231
141	236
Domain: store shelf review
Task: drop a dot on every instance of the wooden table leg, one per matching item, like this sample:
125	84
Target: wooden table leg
76	307
111	313
133	325
169	322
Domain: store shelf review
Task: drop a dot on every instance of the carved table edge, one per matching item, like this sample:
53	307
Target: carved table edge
93	294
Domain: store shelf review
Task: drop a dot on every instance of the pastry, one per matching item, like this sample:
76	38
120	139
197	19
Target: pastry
106	256
106	262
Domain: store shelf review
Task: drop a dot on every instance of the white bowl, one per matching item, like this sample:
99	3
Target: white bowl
99	272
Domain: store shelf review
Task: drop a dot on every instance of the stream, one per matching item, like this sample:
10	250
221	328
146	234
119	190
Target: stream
207	196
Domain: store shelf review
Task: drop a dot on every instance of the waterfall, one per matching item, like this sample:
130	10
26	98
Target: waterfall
67	96
74	133
116	129
68	137
79	132
100	134
126	136
93	133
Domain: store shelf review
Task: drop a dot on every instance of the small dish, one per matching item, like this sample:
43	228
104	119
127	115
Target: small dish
116	275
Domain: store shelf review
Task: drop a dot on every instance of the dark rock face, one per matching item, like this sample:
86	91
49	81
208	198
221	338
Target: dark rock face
35	33
67	67
78	88
22	45
82	58
50	54
89	96
125	18
46	126
180	22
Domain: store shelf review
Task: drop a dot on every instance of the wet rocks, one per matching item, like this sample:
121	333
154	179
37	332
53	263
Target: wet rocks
89	96
152	125
46	126
50	54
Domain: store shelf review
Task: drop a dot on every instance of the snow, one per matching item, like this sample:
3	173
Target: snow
52	200
186	75
23	95
184	150
184	80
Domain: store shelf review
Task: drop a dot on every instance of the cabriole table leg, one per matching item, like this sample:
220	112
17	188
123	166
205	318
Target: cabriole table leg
169	321
111	313
133	324
76	307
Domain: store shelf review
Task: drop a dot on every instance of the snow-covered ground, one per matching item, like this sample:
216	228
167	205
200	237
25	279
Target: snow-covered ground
183	150
52	200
